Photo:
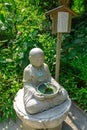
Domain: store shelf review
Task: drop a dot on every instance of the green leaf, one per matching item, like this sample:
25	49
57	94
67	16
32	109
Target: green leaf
77	41
80	35
2	18
8	6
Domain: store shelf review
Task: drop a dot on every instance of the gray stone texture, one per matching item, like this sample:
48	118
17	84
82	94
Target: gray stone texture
76	120
48	119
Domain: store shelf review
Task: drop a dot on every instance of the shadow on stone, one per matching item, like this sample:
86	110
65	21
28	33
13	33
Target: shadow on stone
66	126
78	117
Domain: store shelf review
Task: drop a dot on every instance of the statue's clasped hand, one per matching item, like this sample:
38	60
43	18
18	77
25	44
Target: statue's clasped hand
39	96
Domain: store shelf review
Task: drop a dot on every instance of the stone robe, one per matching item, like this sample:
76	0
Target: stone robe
34	101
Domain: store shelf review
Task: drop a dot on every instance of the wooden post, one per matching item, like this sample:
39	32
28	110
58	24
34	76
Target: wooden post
61	23
58	47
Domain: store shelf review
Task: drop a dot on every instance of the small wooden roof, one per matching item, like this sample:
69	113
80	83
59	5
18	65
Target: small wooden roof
61	8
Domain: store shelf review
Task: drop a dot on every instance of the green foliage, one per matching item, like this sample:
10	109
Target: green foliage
21	28
74	64
78	6
9	85
8	20
77	94
45	5
49	47
75	51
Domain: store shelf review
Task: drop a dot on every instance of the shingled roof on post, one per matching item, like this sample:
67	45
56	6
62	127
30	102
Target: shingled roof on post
61	19
61	8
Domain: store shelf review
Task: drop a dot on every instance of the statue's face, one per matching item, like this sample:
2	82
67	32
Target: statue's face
37	60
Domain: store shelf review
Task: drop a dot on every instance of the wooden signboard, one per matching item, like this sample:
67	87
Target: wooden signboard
61	23
61	19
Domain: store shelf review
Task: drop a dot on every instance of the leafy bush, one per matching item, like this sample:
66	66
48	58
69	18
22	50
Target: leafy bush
74	64
10	83
15	43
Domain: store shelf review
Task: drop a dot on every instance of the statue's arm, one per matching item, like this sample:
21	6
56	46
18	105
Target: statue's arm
50	78
28	85
53	81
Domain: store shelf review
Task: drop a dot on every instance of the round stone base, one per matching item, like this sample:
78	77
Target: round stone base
50	119
25	127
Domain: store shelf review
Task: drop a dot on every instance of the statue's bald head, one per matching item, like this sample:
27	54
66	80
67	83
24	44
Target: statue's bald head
36	57
36	51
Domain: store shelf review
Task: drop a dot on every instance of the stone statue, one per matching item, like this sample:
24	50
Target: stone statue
35	73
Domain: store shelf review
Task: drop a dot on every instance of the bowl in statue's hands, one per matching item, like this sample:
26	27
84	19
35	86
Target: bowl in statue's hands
47	90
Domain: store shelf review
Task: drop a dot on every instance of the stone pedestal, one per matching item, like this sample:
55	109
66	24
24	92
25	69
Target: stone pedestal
25	127
48	120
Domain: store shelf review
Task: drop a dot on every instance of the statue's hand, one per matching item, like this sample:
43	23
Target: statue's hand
38	96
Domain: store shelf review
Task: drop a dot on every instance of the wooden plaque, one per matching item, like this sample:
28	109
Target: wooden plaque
63	22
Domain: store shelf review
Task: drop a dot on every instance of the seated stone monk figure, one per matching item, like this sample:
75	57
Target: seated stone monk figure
35	73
